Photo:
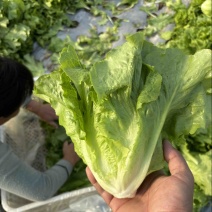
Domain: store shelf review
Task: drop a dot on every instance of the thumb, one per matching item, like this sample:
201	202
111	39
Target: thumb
175	160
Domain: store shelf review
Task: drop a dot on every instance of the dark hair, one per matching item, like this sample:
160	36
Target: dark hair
16	84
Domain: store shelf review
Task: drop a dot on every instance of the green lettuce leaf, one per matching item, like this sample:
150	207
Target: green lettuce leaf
200	163
118	112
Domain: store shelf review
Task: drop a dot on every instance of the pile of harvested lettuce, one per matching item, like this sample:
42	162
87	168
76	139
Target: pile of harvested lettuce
118	111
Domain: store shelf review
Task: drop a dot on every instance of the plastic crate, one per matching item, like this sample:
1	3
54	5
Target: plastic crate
81	200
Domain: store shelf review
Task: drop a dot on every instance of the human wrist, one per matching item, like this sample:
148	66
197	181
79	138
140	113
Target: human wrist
66	164
70	160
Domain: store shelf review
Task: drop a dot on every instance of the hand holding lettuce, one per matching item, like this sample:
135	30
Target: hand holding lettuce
118	112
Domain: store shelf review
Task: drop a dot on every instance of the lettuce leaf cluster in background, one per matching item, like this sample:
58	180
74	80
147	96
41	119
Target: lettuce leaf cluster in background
24	23
181	24
118	111
198	153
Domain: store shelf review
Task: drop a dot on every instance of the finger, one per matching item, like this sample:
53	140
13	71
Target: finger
105	195
65	144
177	163
53	124
54	116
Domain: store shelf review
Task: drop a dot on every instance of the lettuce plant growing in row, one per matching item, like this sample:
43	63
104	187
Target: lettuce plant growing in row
118	111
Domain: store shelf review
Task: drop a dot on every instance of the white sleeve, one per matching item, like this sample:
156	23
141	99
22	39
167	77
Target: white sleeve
21	179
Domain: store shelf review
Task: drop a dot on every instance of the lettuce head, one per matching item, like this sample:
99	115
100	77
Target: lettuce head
118	112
